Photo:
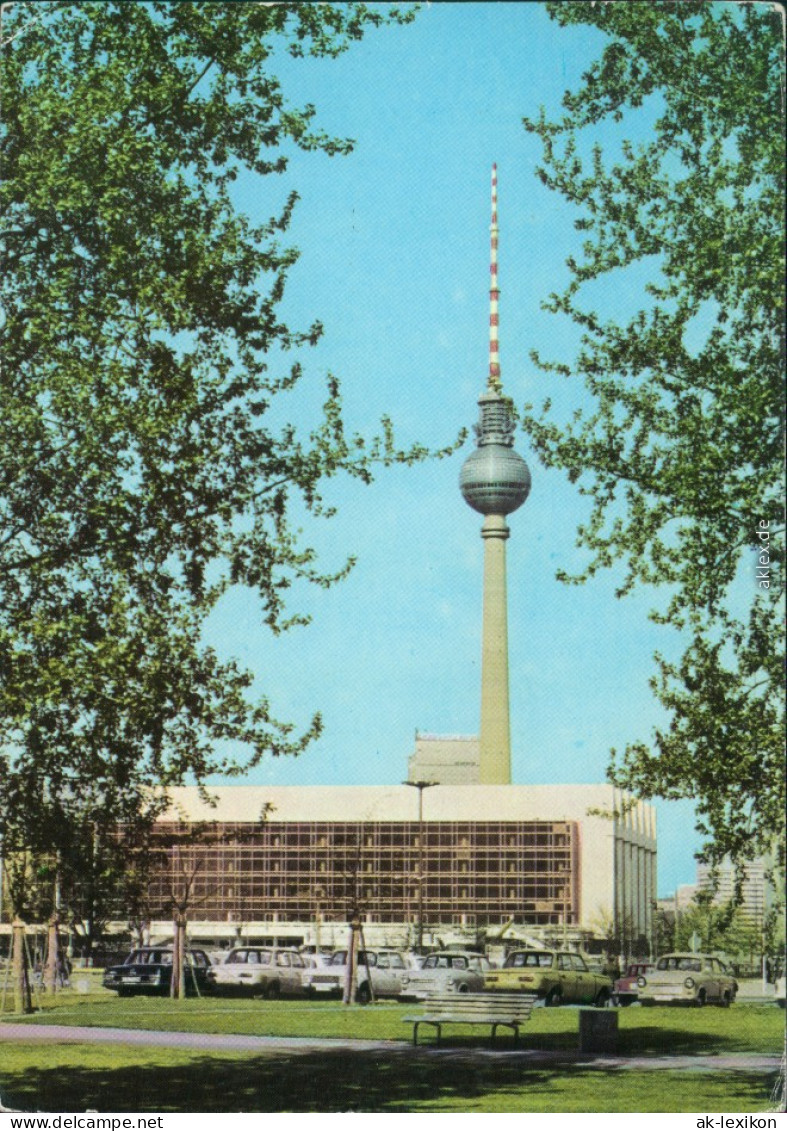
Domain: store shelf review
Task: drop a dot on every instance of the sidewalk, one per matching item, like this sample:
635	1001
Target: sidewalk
753	990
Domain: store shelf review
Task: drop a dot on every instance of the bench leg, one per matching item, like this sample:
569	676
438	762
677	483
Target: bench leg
415	1030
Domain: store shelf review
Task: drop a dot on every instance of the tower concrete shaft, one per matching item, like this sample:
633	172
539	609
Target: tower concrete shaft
494	481
495	732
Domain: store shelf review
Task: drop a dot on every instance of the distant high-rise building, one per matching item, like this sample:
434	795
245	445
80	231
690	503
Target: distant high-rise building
494	480
756	891
684	896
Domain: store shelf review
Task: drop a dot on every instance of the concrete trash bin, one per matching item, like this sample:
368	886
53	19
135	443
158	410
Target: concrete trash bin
598	1030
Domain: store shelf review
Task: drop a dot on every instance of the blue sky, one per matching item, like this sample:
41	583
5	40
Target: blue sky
395	252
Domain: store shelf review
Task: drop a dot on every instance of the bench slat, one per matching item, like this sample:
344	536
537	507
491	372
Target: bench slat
494	1009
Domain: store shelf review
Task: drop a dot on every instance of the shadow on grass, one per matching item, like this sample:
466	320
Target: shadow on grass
333	1081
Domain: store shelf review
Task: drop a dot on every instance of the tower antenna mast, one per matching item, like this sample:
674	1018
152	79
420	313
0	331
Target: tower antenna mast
493	384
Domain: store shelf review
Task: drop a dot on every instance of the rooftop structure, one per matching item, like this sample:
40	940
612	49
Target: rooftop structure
445	759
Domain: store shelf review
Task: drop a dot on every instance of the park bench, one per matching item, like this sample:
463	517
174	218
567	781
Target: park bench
495	1009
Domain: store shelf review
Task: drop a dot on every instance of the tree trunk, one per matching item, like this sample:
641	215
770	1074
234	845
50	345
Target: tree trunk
174	986
53	963
178	985
352	961
20	971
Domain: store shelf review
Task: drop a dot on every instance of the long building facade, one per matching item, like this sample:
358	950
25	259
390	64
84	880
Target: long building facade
278	860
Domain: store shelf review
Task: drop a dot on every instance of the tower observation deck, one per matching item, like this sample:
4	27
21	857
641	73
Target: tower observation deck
494	481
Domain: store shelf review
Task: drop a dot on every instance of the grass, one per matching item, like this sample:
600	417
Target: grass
77	1076
643	1032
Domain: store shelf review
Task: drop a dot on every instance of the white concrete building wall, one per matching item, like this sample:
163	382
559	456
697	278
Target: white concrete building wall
617	844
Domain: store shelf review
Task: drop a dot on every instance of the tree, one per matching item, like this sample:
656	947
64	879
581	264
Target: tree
144	468
677	439
177	851
708	925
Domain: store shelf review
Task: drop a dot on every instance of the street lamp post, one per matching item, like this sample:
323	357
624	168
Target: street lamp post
420	786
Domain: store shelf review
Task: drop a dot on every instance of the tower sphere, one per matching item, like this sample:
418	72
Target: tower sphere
494	478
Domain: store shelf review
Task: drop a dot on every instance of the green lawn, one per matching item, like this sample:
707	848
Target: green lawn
77	1077
743	1028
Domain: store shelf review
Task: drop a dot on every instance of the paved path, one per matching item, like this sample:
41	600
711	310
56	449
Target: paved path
287	1046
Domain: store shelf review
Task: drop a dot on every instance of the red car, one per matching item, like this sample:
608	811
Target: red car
625	991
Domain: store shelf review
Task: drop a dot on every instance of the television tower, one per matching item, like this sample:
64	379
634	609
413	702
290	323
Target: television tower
495	481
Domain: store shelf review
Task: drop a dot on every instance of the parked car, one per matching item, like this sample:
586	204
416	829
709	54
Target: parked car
779	991
557	976
261	971
687	979
316	958
625	990
378	972
447	971
217	956
148	970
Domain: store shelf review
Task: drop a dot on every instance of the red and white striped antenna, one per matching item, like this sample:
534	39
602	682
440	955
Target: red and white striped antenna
494	296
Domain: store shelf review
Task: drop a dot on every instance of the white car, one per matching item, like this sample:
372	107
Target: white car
378	972
315	959
687	979
262	971
449	971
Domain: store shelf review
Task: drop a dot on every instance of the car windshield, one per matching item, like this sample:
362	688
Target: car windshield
443	961
679	962
529	958
149	958
251	957
364	958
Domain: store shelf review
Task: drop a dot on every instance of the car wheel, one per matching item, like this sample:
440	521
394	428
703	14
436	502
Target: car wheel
726	998
123	992
602	999
700	999
462	989
363	994
554	997
272	991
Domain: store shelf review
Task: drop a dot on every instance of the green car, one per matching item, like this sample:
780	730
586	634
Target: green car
557	976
